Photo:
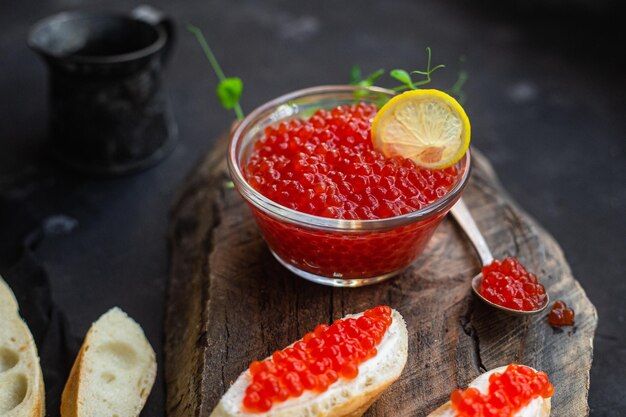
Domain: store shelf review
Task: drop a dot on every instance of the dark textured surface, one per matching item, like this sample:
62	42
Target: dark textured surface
545	97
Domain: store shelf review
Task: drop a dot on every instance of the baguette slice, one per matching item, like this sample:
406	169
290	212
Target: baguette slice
21	381
344	398
114	371
538	407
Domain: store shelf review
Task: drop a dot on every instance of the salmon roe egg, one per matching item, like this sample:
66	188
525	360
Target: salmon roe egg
327	166
509	284
508	392
319	359
561	315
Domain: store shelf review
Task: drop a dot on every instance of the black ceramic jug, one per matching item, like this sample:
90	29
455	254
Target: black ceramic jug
108	111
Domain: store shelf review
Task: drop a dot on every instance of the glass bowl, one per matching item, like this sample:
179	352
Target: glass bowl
336	252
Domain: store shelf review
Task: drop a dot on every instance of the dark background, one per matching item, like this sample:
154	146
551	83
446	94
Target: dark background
545	96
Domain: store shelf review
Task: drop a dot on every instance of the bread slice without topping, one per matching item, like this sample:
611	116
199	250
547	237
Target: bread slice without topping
344	398
114	371
21	382
538	407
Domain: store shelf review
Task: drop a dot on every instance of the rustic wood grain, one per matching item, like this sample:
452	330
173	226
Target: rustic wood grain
230	302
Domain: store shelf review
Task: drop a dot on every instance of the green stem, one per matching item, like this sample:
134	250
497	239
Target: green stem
423	82
208	52
197	32
457	88
238	111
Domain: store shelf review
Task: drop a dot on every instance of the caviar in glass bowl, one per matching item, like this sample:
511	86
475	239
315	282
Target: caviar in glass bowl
331	207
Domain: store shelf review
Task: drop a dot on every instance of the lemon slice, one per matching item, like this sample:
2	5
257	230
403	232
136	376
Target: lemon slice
428	126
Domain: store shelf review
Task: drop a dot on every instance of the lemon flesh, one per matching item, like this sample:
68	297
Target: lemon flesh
427	126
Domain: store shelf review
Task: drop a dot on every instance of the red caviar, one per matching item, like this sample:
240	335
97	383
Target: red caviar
561	315
509	284
327	166
316	361
508	393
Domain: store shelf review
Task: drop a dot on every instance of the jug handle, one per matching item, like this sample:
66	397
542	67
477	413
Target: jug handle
156	17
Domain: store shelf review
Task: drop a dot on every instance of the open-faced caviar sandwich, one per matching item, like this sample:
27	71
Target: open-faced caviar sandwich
508	391
333	371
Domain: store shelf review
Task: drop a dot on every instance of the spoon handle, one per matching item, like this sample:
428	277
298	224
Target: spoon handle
464	218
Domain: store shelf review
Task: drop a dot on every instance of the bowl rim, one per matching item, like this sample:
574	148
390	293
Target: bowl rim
285	214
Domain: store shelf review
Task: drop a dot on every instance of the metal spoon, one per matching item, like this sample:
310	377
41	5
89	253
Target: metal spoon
464	218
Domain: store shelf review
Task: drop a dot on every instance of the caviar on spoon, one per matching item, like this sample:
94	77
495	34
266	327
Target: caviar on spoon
505	285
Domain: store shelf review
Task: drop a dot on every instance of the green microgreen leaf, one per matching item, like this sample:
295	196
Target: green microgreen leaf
402	76
356	79
371	79
228	89
382	100
408	83
355	75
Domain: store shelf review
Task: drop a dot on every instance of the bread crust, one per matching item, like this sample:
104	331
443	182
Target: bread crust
446	409
355	407
359	405
69	398
16	338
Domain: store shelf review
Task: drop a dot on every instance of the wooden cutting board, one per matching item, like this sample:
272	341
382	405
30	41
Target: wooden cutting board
230	302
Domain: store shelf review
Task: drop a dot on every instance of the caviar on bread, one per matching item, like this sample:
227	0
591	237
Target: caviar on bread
508	391
333	371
